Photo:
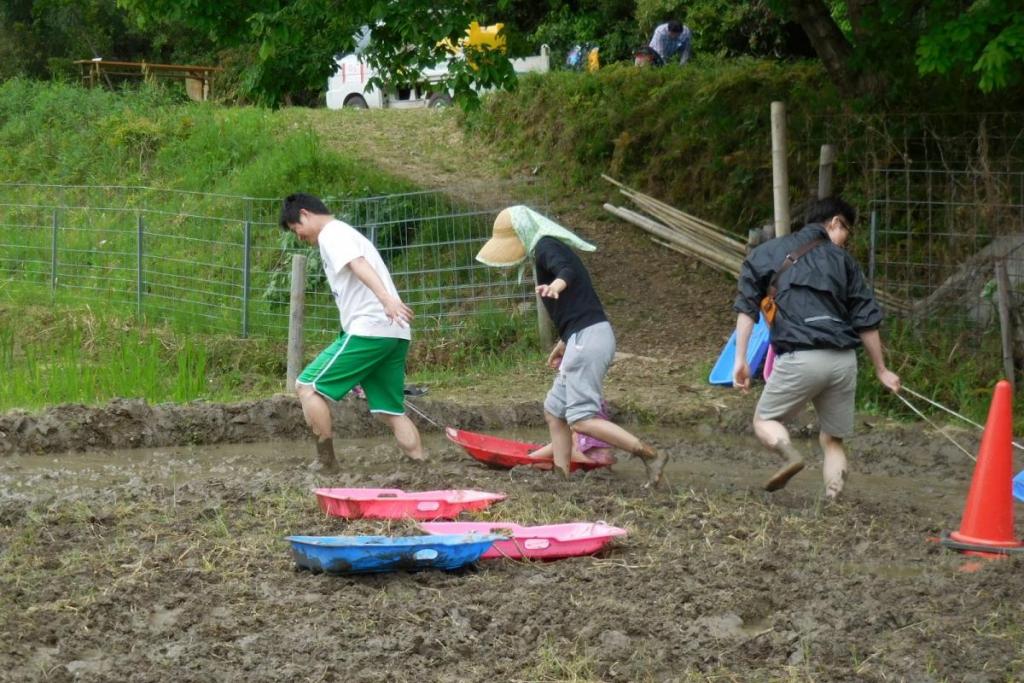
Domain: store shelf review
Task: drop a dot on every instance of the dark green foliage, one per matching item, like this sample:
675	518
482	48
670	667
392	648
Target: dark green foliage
693	136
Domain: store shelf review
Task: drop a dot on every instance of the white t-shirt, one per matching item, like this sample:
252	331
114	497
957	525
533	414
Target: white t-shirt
361	312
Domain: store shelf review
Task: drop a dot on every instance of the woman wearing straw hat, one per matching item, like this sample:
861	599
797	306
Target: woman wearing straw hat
586	342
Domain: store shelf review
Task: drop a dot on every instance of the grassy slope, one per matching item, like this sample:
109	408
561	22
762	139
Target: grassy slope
697	134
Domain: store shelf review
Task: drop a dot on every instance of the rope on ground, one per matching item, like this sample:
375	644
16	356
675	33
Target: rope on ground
951	412
936	427
423	415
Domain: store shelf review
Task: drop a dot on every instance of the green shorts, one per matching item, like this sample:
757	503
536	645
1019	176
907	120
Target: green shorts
377	364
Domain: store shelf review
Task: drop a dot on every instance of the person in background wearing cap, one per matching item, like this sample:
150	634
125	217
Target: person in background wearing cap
671	39
372	349
824	311
586	344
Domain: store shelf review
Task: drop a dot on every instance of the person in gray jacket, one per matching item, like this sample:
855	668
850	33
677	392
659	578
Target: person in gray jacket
823	311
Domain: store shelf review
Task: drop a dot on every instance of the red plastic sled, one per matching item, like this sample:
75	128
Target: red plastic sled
398	504
506	453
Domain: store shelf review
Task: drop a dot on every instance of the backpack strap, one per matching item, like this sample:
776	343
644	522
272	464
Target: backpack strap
790	260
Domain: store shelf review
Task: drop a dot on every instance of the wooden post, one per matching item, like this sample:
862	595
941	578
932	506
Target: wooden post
296	319
826	162
545	328
1005	323
780	170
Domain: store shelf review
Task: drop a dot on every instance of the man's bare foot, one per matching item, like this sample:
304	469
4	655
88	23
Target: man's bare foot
419	456
835	487
325	461
794	463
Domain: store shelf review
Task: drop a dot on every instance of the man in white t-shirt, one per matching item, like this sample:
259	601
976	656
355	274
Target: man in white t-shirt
372	348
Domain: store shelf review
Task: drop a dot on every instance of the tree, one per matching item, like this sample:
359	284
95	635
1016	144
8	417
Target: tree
299	40
986	36
887	41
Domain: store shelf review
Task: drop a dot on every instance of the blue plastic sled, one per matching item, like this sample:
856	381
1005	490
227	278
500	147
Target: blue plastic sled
721	374
361	554
1018	486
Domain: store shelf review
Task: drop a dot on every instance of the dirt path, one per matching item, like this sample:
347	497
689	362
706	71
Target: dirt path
661	305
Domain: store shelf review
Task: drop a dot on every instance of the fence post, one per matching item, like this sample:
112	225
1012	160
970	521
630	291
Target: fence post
780	170
826	162
53	255
871	246
545	328
246	267
139	282
1005	320
296	319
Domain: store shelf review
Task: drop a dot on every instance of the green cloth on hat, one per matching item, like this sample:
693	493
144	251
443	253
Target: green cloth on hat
531	226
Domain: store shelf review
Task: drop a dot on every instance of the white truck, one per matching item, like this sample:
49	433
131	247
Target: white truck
347	86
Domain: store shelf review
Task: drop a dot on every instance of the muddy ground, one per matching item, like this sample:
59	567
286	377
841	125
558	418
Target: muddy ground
168	562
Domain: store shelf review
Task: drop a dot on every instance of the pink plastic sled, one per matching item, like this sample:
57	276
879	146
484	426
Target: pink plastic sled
397	504
769	362
550	542
501	453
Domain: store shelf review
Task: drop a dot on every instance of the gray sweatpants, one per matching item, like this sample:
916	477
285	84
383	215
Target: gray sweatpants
577	391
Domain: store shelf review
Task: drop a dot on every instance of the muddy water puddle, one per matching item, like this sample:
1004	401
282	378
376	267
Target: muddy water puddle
698	461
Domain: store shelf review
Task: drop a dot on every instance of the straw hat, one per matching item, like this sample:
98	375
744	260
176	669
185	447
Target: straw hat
504	248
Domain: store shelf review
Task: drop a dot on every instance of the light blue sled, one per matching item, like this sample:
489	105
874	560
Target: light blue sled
359	554
1018	486
757	349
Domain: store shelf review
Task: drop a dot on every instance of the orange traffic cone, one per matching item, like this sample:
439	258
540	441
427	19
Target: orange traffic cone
987	524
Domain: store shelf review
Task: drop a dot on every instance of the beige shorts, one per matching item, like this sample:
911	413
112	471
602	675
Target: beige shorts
825	377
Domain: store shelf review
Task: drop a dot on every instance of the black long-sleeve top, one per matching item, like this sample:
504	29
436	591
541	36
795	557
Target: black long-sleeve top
577	306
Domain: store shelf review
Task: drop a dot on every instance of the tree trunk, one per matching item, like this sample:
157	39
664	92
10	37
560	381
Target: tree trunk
828	40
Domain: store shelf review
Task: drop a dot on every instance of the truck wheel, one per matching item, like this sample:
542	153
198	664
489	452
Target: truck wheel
439	100
355	102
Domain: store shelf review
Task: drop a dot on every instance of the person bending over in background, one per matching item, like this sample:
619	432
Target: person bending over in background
824	311
586	343
372	349
671	39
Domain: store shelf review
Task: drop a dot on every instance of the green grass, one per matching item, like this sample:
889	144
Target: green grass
954	365
69	353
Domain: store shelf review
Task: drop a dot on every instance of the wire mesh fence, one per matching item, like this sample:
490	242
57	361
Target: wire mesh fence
220	263
942	201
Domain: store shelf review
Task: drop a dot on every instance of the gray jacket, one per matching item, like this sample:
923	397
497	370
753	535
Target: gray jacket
823	300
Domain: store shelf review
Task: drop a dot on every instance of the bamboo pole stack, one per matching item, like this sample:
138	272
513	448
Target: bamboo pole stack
697	238
680	231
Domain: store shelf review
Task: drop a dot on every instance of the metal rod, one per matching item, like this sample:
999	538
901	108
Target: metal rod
139	280
246	267
871	247
53	255
1005	321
